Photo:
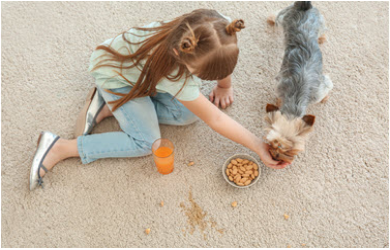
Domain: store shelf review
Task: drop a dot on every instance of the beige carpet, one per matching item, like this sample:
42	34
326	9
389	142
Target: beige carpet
336	193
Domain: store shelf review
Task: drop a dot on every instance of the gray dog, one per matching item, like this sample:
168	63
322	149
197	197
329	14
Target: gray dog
300	81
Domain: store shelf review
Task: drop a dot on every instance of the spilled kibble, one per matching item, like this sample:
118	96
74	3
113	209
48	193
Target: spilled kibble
288	246
286	216
303	244
190	163
147	231
162	203
242	171
234	204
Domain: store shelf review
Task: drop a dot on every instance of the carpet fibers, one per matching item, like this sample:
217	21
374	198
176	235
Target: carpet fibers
335	194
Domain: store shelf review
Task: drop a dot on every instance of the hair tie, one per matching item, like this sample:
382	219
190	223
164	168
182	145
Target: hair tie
235	26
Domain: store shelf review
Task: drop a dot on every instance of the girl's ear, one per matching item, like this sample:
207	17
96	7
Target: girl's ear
176	53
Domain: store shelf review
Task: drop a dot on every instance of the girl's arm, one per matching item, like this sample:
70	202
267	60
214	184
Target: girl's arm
222	93
229	128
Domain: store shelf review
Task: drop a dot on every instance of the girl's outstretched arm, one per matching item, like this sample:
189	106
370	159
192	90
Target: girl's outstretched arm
229	128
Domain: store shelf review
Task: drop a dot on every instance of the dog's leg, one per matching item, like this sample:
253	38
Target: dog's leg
324	89
321	31
276	18
279	102
271	20
326	98
322	39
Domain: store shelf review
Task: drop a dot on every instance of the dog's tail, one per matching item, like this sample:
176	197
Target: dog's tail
303	5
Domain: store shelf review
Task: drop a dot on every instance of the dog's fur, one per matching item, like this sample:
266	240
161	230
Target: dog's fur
300	81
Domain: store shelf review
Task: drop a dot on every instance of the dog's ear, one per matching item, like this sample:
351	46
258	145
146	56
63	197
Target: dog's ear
309	119
271	108
307	126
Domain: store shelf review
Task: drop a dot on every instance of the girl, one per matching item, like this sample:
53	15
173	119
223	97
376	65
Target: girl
149	76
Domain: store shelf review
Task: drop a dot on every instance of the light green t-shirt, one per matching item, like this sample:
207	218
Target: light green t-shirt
108	78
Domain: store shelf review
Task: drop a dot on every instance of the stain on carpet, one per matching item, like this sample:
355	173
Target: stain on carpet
196	218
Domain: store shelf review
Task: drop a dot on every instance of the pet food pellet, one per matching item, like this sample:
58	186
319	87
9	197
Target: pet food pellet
230	165
303	244
247	182
286	216
230	178
240	184
238	177
162	203
243	180
249	172
245	162
255	166
190	163
245	175
227	171
253	176
234	171
234	204
249	167
234	162
239	160
242	169
256	173
288	246
147	231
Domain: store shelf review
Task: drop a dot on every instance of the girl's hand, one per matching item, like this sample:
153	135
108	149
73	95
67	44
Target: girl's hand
222	96
266	158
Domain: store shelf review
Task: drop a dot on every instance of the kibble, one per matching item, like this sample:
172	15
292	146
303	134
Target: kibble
147	231
234	204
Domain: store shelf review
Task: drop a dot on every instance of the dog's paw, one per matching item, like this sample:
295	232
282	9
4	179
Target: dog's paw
326	98
322	39
271	20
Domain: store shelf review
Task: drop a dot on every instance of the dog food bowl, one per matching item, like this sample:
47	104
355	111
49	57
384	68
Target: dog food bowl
242	156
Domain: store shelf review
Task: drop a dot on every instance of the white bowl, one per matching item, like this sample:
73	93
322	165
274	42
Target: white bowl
242	156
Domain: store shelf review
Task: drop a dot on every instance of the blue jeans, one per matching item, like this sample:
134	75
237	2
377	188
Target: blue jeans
139	119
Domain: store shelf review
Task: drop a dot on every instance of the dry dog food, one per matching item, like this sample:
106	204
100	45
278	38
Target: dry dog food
234	204
147	231
242	172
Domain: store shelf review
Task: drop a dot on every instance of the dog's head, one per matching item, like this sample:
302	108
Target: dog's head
285	136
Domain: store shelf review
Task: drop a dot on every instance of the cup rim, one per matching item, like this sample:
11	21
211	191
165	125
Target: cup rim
173	148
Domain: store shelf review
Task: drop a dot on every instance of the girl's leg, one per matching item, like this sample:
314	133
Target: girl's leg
139	123
170	111
138	120
104	113
61	150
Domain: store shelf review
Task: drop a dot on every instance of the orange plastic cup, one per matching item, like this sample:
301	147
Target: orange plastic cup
163	155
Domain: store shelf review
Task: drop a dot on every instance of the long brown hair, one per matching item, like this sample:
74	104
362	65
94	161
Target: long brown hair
203	39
